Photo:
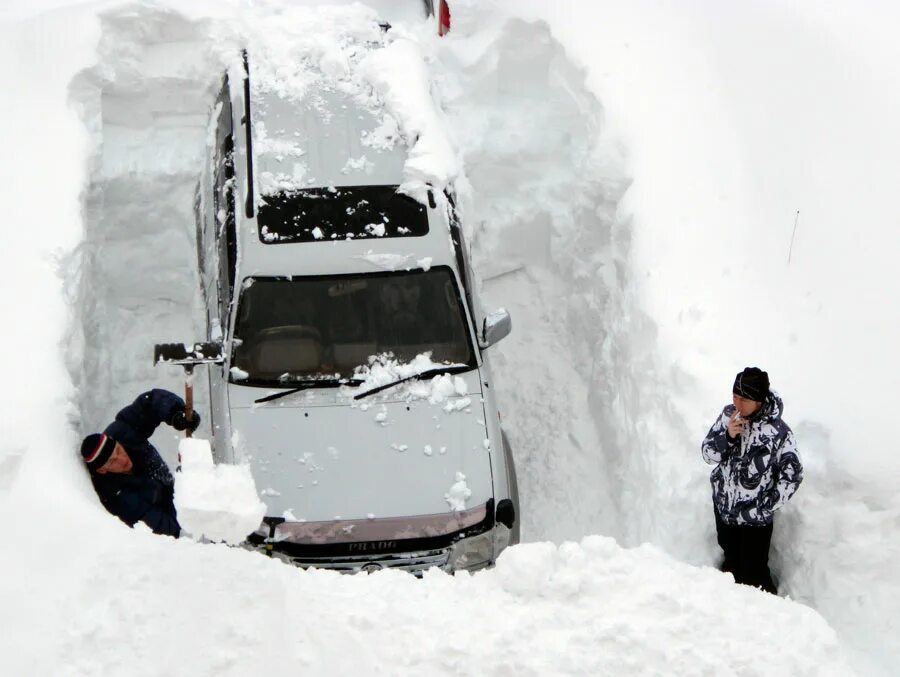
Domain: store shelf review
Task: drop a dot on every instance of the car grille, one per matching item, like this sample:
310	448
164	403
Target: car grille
412	562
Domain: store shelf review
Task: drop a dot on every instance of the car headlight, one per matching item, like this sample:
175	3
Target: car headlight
478	551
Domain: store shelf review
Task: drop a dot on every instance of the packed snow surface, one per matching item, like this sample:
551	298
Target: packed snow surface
660	196
579	608
218	502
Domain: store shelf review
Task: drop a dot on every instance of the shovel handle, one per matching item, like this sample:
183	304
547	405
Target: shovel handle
188	398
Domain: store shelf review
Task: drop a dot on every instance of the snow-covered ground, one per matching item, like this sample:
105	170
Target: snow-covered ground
634	171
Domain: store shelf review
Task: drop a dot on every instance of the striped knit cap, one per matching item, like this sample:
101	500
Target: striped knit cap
96	450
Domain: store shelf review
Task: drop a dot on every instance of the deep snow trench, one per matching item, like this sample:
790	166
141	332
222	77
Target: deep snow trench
540	216
146	104
584	400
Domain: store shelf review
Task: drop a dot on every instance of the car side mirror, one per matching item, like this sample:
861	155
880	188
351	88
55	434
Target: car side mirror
495	327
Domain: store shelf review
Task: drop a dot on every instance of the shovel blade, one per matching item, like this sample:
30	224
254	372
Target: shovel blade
181	353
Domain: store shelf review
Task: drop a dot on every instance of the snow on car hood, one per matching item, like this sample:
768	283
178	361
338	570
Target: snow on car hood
319	456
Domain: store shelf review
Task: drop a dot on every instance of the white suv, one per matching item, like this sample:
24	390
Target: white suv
355	380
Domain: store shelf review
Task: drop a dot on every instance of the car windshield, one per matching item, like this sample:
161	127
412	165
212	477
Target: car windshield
325	214
296	329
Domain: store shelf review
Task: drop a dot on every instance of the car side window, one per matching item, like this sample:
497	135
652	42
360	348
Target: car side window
224	202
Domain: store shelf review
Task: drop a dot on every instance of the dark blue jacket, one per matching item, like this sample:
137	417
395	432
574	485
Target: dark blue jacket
147	494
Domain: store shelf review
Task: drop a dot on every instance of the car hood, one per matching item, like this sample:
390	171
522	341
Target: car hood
323	459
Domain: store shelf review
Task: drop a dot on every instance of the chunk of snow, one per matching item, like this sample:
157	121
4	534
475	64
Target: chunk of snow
458	494
399	76
457	404
217	502
358	164
459	385
384	136
384	369
441	388
271	183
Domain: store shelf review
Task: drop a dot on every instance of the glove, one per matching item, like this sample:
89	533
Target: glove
180	422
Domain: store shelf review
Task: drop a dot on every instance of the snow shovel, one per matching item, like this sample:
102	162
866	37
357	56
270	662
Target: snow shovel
216	502
188	357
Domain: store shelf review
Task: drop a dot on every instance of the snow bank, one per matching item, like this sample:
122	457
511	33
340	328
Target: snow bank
588	608
545	184
634	308
216	502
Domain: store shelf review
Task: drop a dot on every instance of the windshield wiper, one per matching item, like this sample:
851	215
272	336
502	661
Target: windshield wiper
311	383
437	371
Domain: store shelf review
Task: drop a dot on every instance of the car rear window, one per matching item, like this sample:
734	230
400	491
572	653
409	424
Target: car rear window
342	213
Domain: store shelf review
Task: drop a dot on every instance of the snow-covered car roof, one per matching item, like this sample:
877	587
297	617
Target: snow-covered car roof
327	137
332	154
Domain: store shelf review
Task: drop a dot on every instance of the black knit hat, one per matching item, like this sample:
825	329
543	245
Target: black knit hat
96	450
752	384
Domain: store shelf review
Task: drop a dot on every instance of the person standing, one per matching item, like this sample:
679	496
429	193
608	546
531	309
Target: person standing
128	474
757	471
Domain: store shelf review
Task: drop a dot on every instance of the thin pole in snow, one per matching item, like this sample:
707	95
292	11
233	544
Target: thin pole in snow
793	232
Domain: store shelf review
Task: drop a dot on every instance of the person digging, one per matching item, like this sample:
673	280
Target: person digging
128	474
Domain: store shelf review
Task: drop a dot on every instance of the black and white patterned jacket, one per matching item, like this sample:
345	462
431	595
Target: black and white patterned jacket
756	473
